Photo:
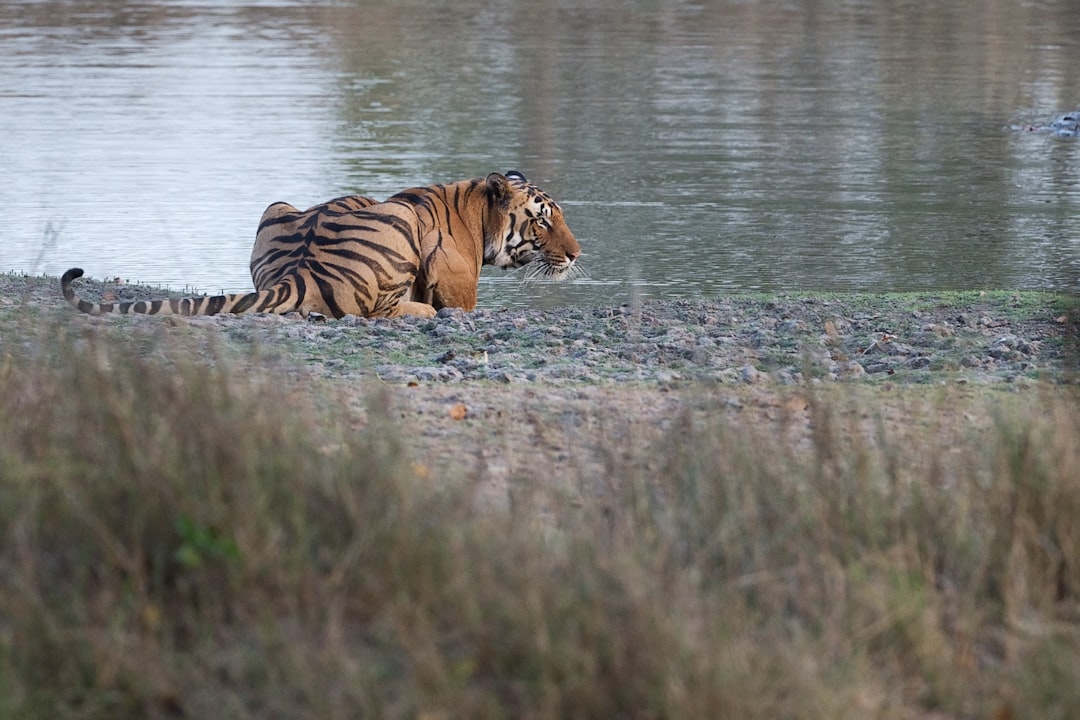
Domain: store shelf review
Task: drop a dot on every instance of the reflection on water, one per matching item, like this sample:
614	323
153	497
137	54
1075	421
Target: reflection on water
697	148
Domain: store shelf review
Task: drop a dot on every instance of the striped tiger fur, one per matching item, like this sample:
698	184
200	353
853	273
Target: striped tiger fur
416	252
284	235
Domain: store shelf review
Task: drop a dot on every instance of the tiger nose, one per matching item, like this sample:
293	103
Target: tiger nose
572	256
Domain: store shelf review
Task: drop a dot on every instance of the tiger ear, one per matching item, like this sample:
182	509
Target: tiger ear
499	189
516	175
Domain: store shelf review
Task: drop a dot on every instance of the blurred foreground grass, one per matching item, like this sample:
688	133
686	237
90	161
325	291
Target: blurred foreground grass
179	539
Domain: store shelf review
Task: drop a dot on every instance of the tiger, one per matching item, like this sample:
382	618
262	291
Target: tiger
415	253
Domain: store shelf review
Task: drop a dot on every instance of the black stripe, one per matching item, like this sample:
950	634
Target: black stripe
300	288
295	238
345	228
393	221
279	220
346	205
265	276
513	227
309	223
391	255
354	278
457	204
244	302
214	304
399	266
278	297
408	197
326	290
363	302
282	299
272	257
343	247
269	300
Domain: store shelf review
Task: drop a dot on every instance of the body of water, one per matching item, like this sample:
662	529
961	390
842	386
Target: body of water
698	148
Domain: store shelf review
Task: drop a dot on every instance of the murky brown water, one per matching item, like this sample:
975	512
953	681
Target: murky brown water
698	149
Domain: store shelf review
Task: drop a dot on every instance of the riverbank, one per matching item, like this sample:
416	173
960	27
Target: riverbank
519	393
978	337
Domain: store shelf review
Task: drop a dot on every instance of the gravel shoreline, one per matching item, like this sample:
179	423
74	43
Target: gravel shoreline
730	340
526	399
789	339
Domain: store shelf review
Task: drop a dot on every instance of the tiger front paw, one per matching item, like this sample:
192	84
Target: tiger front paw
418	309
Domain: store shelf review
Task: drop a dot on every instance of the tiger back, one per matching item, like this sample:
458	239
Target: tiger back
285	235
418	251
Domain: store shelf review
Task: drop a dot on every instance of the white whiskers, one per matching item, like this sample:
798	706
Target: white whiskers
540	271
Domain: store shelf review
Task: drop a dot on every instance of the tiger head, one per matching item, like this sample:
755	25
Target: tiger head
526	227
